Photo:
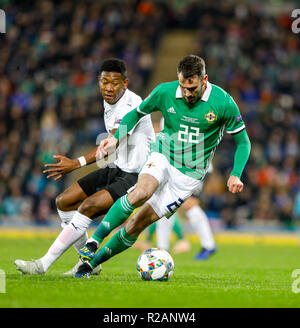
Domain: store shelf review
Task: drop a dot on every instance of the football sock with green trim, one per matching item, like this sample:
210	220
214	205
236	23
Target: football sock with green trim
118	243
118	214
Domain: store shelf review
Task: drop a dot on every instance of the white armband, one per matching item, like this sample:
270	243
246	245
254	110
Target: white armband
82	160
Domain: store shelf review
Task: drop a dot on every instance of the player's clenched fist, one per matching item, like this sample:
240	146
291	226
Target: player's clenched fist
106	147
234	184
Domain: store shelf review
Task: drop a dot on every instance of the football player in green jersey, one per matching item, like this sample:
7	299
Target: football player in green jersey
196	114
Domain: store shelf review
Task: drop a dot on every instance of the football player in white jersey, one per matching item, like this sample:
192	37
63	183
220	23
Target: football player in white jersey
94	194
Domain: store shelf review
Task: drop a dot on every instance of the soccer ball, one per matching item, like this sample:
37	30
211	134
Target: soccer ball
155	264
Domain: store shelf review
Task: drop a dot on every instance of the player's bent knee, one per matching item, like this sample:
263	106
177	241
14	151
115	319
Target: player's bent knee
83	207
89	207
139	196
59	201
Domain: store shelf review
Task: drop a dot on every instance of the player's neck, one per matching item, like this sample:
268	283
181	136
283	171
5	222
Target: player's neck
203	91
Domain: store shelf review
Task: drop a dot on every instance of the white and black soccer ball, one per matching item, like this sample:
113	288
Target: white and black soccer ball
155	264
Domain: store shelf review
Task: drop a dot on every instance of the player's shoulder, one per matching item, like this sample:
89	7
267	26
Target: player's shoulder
167	88
218	93
132	98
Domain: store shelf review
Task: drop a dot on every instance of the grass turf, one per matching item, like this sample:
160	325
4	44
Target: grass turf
236	276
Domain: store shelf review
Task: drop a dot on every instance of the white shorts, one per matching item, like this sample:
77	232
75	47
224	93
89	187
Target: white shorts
174	187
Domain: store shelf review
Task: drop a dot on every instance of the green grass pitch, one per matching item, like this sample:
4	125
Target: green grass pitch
236	276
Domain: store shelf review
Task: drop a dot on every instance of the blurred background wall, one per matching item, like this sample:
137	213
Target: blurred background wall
50	102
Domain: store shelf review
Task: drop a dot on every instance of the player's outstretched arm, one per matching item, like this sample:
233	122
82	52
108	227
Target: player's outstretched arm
65	165
241	156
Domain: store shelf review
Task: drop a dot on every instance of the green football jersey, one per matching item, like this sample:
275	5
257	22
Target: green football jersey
192	133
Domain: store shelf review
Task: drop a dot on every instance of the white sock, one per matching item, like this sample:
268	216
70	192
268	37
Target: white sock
201	226
70	234
163	232
81	242
66	217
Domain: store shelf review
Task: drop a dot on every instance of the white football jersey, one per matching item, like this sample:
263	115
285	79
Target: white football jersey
132	154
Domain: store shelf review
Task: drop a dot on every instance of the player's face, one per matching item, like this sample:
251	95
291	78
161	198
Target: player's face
112	86
192	88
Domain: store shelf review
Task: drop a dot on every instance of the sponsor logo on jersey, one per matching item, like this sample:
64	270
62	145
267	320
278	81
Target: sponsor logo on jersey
171	110
210	116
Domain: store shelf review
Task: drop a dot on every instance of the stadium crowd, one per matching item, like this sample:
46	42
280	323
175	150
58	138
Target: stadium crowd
49	97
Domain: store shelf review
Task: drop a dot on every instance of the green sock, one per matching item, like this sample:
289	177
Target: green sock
151	231
118	214
118	243
177	227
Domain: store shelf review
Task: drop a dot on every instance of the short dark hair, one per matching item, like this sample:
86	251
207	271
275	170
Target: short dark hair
191	65
114	65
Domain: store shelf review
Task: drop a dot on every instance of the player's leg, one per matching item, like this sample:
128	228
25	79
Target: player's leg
120	212
120	241
89	184
92	206
165	200
71	198
114	183
67	203
98	203
201	226
153	173
163	232
75	230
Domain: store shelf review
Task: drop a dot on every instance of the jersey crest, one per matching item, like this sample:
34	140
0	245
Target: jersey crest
210	116
149	165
